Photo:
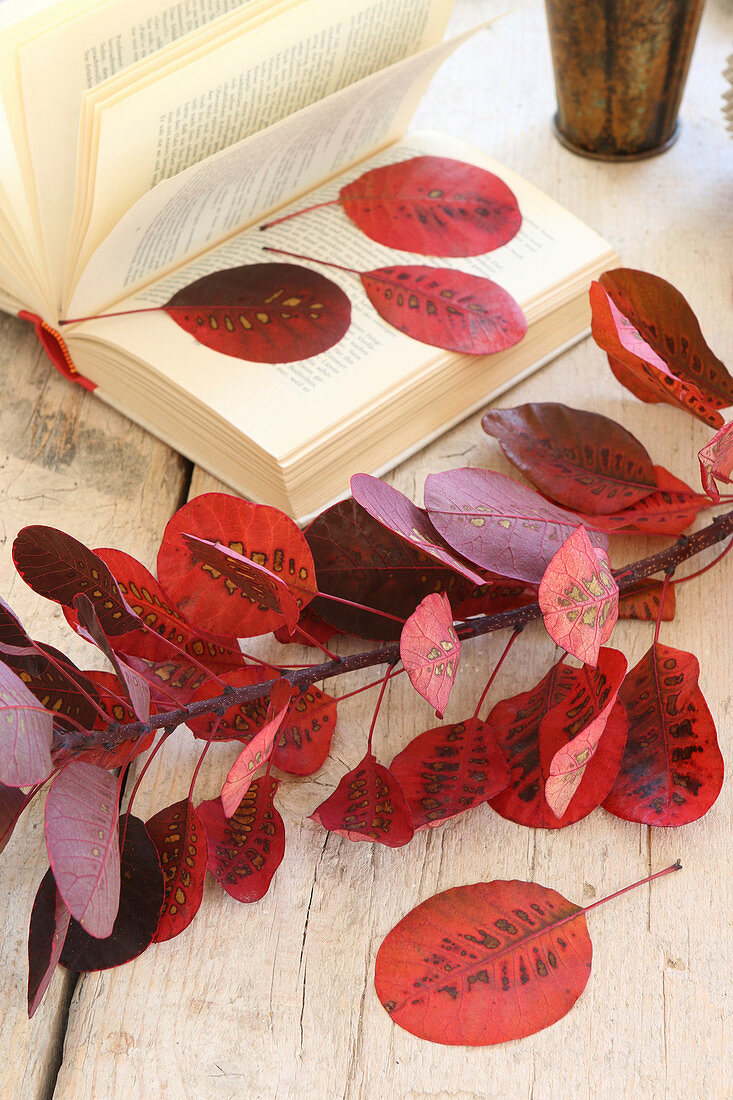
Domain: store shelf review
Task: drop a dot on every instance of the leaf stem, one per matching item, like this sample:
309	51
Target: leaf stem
498	665
650	878
311	259
297	213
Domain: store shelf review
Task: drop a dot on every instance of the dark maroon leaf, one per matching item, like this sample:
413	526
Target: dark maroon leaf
368	804
245	850
265	313
180	839
46	935
141	900
12	631
12	804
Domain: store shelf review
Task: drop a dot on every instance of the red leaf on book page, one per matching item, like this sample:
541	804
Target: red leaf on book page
716	461
49	923
141	899
57	566
580	459
135	687
259	584
430	650
305	736
12	804
498	523
26	733
257	752
447	770
638	366
433	205
446	308
397	512
265	313
672	770
81	837
578	597
246	849
209	600
668	511
485	963
368	804
359	559
641	600
530	728
665	320
180	839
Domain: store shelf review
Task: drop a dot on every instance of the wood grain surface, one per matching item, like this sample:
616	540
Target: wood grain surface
276	1000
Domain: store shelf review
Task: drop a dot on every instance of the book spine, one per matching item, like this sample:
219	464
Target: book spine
55	348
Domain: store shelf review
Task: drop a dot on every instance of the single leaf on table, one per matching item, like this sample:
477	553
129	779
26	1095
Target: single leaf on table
211	602
26	733
430	650
578	597
482	964
435	206
498	523
180	840
716	461
579	459
259	584
359	559
258	751
449	309
368	804
50	918
642	600
246	849
12	804
81	838
141	900
263	313
638	366
304	738
57	566
135	686
447	770
669	510
672	770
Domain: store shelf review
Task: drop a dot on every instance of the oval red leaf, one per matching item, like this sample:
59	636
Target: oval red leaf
431	650
368	804
578	597
238	723
672	770
265	313
446	308
482	964
305	736
436	206
669	510
642	600
580	459
180	839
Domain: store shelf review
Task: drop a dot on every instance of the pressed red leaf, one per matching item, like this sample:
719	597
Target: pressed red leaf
446	308
394	510
578	597
668	324
638	366
368	804
580	459
141	899
180	839
256	582
669	510
530	728
358	559
209	600
431	650
265	313
135	686
716	461
672	770
485	963
642	601
49	923
12	804
246	849
498	523
57	566
304	738
447	770
81	838
436	206
26	733
257	751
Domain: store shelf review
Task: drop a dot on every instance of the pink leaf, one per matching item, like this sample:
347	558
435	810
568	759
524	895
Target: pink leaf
579	597
257	752
26	733
716	461
430	650
81	837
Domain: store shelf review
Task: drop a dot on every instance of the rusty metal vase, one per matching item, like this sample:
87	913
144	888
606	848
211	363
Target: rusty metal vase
620	70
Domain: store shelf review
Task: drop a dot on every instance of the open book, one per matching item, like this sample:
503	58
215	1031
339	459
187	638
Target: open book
142	145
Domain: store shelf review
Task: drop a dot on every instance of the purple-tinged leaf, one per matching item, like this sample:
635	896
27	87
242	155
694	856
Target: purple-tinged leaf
81	837
26	733
56	682
136	688
12	804
49	924
430	650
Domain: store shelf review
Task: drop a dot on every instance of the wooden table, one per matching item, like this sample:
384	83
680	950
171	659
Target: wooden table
276	1000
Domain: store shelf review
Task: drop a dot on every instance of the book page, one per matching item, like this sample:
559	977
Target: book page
284	407
185	215
273	70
